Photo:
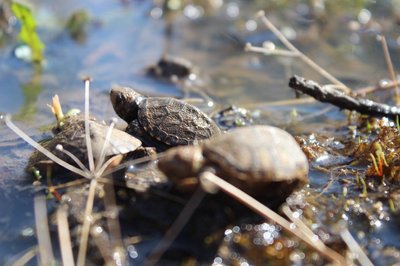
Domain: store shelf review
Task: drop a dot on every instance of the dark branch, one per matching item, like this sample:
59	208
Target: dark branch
336	97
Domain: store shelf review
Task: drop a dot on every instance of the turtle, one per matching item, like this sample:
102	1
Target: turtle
162	122
263	161
69	135
170	67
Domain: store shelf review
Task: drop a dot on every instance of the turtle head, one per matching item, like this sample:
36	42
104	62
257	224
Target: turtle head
181	162
125	102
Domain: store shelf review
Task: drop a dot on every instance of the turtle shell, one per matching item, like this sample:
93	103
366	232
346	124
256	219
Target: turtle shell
72	137
175	122
251	157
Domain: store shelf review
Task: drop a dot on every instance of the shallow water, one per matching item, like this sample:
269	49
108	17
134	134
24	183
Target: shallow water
123	39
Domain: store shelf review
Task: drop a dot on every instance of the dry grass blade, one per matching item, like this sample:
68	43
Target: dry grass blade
99	239
25	258
389	64
384	86
113	225
299	101
73	157
293	49
87	128
132	162
64	236
102	156
42	231
267	51
176	228
264	211
40	148
86	224
70	184
304	229
353	245
93	174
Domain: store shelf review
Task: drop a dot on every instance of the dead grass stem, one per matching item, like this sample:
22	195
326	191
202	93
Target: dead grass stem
293	50
267	213
176	227
46	256
390	67
64	235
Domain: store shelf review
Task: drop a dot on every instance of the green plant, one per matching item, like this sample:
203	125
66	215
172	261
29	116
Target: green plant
28	33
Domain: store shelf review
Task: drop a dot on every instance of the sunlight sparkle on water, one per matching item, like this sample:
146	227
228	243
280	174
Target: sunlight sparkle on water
98	229
217	261
216	3
232	10
251	25
132	252
156	13
376	223
364	16
193	11
28	231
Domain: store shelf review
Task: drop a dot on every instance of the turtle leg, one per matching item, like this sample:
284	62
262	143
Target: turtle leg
147	141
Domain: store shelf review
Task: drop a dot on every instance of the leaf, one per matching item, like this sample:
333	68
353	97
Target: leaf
28	33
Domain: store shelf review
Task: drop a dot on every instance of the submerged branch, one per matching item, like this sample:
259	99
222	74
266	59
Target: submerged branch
336	97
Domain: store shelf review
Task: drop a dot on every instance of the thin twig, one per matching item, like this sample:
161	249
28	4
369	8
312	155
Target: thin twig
42	231
303	227
264	211
87	221
176	228
101	158
40	148
87	127
389	64
291	47
353	245
64	236
113	225
101	240
24	258
369	89
279	52
288	102
70	184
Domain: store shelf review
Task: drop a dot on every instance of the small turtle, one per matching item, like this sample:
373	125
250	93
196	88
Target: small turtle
162	122
171	68
72	138
70	134
263	161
